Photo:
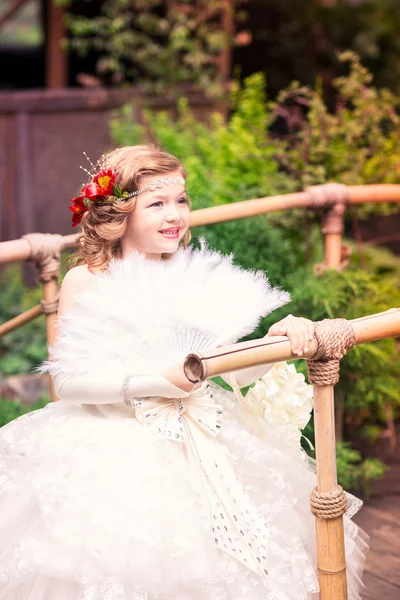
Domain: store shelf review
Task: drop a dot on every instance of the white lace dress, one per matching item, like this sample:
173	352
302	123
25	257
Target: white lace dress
172	499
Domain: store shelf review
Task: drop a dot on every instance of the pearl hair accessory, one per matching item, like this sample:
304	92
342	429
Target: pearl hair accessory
157	184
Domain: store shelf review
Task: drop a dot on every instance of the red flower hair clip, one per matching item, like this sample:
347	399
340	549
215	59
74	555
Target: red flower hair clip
101	189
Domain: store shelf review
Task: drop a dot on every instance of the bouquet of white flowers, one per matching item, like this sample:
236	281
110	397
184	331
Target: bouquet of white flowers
284	400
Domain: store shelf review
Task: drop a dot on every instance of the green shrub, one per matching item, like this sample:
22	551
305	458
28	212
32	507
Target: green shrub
358	143
355	473
25	347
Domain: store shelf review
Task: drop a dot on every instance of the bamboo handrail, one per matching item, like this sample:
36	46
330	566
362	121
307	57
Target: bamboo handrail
352	194
201	366
16	250
21	319
331	559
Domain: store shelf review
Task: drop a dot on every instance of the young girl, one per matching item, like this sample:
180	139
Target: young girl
137	485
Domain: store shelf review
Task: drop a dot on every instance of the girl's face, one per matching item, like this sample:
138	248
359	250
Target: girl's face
155	213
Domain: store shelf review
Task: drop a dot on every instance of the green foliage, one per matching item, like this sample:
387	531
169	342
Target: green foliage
300	40
25	347
160	44
296	40
358	143
355	473
10	409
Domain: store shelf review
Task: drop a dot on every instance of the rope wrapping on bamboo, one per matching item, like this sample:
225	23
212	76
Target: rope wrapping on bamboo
328	195
333	220
46	253
50	307
328	505
335	337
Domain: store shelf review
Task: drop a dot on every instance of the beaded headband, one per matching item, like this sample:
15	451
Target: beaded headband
104	190
157	184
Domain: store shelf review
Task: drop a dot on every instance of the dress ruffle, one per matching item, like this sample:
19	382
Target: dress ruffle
94	505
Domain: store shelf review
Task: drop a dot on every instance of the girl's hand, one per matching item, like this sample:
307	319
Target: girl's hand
299	330
176	375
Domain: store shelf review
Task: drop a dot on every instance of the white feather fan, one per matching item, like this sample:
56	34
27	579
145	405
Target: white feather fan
141	315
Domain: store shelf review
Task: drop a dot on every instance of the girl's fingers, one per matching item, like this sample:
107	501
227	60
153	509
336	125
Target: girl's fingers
299	340
295	342
305	340
299	330
277	329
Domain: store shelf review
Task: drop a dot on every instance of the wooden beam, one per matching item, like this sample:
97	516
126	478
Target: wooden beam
56	58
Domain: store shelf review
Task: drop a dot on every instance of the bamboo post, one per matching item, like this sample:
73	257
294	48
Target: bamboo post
333	197
328	500
331	561
336	197
45	251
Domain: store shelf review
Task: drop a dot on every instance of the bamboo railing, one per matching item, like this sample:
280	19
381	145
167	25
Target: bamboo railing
333	338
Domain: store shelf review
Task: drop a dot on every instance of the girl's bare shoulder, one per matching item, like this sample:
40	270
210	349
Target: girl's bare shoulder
78	275
76	280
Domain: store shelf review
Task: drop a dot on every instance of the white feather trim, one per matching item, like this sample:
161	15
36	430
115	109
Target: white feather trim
141	315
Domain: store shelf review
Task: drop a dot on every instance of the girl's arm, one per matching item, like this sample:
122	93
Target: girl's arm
113	388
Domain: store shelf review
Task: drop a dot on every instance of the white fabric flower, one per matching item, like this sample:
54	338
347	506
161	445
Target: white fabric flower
284	400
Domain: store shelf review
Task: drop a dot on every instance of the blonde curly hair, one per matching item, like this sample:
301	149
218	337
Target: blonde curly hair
103	225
